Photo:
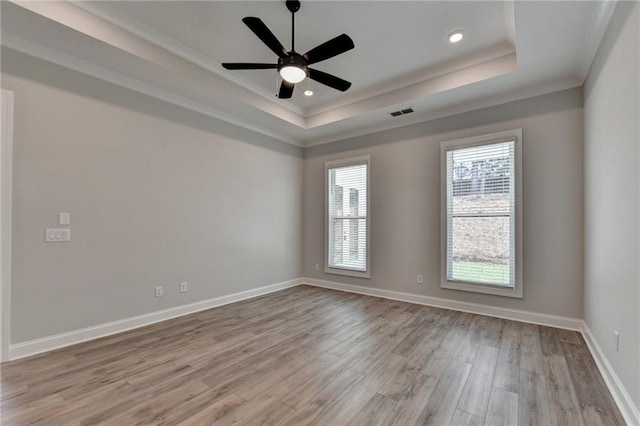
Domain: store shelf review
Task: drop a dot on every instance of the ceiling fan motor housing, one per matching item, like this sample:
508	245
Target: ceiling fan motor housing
294	59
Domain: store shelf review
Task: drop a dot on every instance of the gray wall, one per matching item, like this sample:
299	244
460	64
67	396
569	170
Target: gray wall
612	234
157	195
405	202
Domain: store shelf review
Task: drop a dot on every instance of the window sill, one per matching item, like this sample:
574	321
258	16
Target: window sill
515	292
347	272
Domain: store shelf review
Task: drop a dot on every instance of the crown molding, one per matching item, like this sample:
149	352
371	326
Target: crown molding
45	53
147	33
485	102
105	24
510	20
102	23
423	89
346	106
599	24
39	51
416	79
65	60
69	17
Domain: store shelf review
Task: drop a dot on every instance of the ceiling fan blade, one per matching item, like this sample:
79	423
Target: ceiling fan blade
260	29
286	90
329	49
248	66
329	80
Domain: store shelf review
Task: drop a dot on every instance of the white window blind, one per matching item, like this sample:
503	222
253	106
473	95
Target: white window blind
347	216
481	215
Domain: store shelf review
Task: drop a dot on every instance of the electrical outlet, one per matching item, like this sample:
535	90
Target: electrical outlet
617	340
317	266
420	279
158	291
183	287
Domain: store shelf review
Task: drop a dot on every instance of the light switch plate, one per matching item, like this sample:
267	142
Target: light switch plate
64	218
57	235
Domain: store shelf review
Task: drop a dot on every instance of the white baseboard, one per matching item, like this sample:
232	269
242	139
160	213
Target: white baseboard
628	409
617	389
474	308
45	344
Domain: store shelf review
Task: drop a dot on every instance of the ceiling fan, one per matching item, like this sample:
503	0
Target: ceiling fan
293	67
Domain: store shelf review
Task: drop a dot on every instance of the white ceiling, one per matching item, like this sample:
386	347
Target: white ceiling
173	50
394	40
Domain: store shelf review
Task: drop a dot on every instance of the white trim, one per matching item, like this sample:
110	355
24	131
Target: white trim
509	135
474	308
151	35
510	20
21	44
620	395
469	68
6	163
147	33
599	24
628	409
45	344
508	96
343	162
71	62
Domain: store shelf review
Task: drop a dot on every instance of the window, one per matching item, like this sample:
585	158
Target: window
347	223
481	214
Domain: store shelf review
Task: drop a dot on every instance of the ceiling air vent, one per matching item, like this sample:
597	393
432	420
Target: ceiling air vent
401	112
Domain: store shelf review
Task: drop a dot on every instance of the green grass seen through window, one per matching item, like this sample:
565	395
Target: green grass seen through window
482	272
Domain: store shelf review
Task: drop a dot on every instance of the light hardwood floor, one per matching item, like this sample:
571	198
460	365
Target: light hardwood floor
312	356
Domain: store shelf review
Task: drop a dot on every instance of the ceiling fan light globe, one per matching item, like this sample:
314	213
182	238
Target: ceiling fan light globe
292	74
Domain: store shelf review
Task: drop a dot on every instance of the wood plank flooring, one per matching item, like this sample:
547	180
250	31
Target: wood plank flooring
313	356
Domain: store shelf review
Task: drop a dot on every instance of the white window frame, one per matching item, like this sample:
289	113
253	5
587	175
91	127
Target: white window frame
363	159
6	160
506	136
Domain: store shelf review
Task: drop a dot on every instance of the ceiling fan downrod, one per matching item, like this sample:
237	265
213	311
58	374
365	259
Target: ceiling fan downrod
293	6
